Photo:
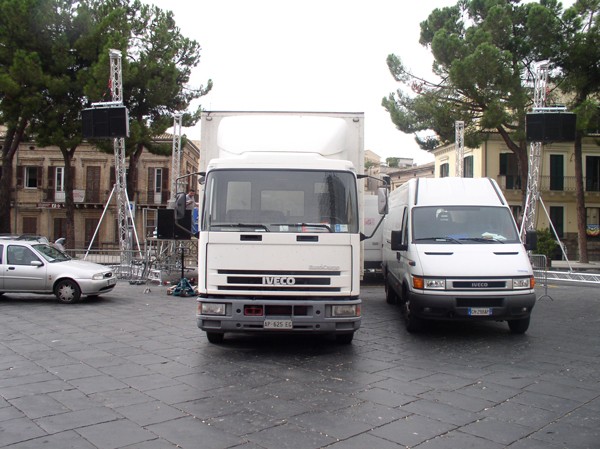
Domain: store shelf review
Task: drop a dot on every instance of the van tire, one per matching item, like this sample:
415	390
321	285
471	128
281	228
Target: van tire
519	326
413	324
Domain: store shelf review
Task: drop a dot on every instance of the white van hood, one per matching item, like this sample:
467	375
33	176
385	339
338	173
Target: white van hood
472	260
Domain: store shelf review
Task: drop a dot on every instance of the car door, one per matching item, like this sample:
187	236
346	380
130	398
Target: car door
2	268
19	273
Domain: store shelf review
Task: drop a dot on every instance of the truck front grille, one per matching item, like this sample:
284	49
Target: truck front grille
284	281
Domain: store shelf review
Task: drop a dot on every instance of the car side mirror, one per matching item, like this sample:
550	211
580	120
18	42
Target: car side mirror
36	263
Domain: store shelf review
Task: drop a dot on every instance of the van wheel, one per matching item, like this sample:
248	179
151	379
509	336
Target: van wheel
413	324
390	295
519	326
215	337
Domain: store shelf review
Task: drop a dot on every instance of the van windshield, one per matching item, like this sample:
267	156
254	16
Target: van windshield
463	224
280	201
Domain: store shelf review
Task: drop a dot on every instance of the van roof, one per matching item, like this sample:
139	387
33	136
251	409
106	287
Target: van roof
458	191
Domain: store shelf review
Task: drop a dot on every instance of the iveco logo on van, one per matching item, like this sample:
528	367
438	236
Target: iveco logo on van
480	284
278	280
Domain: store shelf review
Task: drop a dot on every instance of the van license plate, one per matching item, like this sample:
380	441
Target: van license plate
480	311
278	324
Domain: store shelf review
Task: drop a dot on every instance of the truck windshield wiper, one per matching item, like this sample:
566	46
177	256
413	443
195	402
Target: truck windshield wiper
310	225
482	239
447	239
241	225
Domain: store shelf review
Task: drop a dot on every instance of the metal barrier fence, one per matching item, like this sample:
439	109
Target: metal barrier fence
155	262
539	263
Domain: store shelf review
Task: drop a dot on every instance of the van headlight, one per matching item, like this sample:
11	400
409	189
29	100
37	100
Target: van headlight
429	283
523	283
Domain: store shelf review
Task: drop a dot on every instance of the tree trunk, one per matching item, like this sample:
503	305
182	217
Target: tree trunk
69	201
580	199
9	149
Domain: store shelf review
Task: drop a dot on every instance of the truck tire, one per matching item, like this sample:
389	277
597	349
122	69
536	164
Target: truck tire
344	339
215	337
519	326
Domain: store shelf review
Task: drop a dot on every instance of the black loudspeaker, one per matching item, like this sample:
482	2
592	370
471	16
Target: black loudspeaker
166	228
550	127
105	123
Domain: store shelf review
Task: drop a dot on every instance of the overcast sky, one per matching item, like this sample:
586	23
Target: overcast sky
308	55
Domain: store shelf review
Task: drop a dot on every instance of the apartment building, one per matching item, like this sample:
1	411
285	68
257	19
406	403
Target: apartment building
557	184
38	194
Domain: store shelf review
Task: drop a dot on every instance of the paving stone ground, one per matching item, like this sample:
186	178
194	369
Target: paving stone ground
132	370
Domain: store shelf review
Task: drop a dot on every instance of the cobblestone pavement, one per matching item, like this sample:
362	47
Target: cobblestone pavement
132	370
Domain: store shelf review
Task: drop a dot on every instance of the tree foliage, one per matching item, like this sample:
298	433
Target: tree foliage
484	54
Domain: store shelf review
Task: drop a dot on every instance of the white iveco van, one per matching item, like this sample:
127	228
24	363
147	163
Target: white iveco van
451	251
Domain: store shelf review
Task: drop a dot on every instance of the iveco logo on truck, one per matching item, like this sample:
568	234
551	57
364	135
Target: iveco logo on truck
278	280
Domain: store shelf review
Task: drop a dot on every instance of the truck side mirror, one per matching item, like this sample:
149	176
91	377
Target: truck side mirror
382	201
180	206
531	240
397	241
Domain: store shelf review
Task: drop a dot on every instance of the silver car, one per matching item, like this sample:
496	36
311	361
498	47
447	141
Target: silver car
33	267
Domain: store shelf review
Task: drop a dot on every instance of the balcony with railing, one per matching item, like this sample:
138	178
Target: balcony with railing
550	183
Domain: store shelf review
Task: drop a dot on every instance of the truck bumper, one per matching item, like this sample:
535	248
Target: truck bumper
304	316
456	307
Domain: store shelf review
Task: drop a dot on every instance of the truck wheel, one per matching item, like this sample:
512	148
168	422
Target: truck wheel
390	295
67	291
519	326
215	337
344	339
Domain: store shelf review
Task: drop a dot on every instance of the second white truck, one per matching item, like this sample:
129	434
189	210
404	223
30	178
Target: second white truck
452	252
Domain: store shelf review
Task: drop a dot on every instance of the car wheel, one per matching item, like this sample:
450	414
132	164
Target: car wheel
344	339
519	326
67	291
215	337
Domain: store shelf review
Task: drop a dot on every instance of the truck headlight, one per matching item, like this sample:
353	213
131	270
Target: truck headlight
523	283
209	308
345	311
428	284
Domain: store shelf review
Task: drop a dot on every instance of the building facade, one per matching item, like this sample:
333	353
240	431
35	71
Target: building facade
38	194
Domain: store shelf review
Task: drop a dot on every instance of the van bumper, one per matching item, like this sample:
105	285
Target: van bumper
472	307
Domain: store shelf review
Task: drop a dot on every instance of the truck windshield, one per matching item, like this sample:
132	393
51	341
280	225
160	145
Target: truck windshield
463	224
280	201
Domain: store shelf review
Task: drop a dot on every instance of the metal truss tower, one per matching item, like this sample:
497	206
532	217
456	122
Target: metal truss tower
459	127
535	155
124	217
176	158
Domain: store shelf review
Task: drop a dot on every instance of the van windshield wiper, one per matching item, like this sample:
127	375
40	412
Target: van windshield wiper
446	239
241	225
482	239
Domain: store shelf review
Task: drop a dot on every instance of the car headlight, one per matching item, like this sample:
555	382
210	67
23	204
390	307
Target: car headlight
209	308
523	283
98	276
428	284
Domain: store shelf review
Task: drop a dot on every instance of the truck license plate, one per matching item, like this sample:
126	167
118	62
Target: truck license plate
480	311
278	324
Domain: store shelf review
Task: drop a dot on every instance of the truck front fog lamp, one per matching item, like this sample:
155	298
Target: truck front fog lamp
209	308
345	311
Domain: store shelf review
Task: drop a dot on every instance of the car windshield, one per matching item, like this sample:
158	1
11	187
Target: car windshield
50	253
464	225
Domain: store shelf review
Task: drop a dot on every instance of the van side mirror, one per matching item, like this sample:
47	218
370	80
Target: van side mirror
531	240
397	241
382	201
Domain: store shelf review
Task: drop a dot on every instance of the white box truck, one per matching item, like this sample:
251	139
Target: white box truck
452	252
279	242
